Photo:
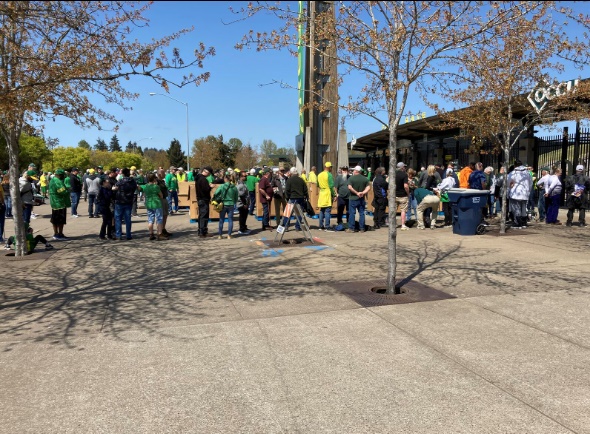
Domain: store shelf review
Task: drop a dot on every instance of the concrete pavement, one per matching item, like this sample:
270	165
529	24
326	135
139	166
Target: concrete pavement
193	335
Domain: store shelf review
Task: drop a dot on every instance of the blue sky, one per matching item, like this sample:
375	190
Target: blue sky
237	101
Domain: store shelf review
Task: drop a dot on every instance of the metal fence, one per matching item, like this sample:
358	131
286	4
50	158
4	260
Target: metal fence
565	151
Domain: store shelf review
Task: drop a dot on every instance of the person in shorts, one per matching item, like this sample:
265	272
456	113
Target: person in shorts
59	199
153	204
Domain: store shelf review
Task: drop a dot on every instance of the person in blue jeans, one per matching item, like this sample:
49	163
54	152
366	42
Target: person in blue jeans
125	191
412	202
359	186
228	194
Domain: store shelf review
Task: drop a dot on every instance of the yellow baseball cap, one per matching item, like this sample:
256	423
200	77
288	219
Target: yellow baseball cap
328	164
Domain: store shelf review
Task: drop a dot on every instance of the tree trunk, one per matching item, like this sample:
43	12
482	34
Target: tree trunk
505	191
392	232
17	203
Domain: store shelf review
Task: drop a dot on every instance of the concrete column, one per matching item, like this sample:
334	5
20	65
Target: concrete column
342	148
307	150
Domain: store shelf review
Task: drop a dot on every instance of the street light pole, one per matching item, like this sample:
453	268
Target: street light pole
187	139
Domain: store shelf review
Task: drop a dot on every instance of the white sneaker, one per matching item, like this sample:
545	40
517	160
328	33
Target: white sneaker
75	216
421	227
405	228
34	217
6	247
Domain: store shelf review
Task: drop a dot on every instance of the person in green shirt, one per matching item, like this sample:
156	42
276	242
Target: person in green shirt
190	177
59	199
31	240
141	181
251	181
172	185
153	205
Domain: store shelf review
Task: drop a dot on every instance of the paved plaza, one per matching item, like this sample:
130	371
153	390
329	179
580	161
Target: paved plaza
198	335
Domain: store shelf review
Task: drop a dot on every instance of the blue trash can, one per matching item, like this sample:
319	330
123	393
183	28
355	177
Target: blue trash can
466	205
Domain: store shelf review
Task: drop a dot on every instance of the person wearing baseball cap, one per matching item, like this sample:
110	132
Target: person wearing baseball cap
326	197
59	199
577	187
251	181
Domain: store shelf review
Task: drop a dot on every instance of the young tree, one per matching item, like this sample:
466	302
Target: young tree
247	158
115	146
495	80
175	154
55	55
397	47
267	148
67	158
101	145
204	152
33	149
157	157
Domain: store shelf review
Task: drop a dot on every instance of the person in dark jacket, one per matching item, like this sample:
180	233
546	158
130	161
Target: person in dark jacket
105	202
203	190
125	189
380	187
295	192
577	187
75	191
343	195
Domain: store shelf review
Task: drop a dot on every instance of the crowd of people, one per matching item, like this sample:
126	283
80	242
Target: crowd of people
113	195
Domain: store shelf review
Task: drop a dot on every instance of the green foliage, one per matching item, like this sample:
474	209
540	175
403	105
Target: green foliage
84	144
67	158
101	158
175	154
125	159
101	145
157	157
32	150
115	146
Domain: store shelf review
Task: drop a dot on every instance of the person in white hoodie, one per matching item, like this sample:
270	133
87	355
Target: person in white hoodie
541	184
520	184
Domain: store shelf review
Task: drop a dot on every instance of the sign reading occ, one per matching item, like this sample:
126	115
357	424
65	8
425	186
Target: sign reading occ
540	96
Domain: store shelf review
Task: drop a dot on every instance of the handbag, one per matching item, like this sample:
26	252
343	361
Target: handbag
217	202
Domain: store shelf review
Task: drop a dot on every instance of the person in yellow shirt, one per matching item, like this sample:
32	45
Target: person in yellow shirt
304	175
43	184
326	196
312	177
181	175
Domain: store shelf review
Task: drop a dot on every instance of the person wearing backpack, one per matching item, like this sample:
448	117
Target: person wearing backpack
125	190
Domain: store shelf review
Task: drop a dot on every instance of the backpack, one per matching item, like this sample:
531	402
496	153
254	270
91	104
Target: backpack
126	191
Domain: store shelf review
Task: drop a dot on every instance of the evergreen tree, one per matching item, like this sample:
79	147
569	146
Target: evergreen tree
84	144
101	145
114	145
175	154
131	147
